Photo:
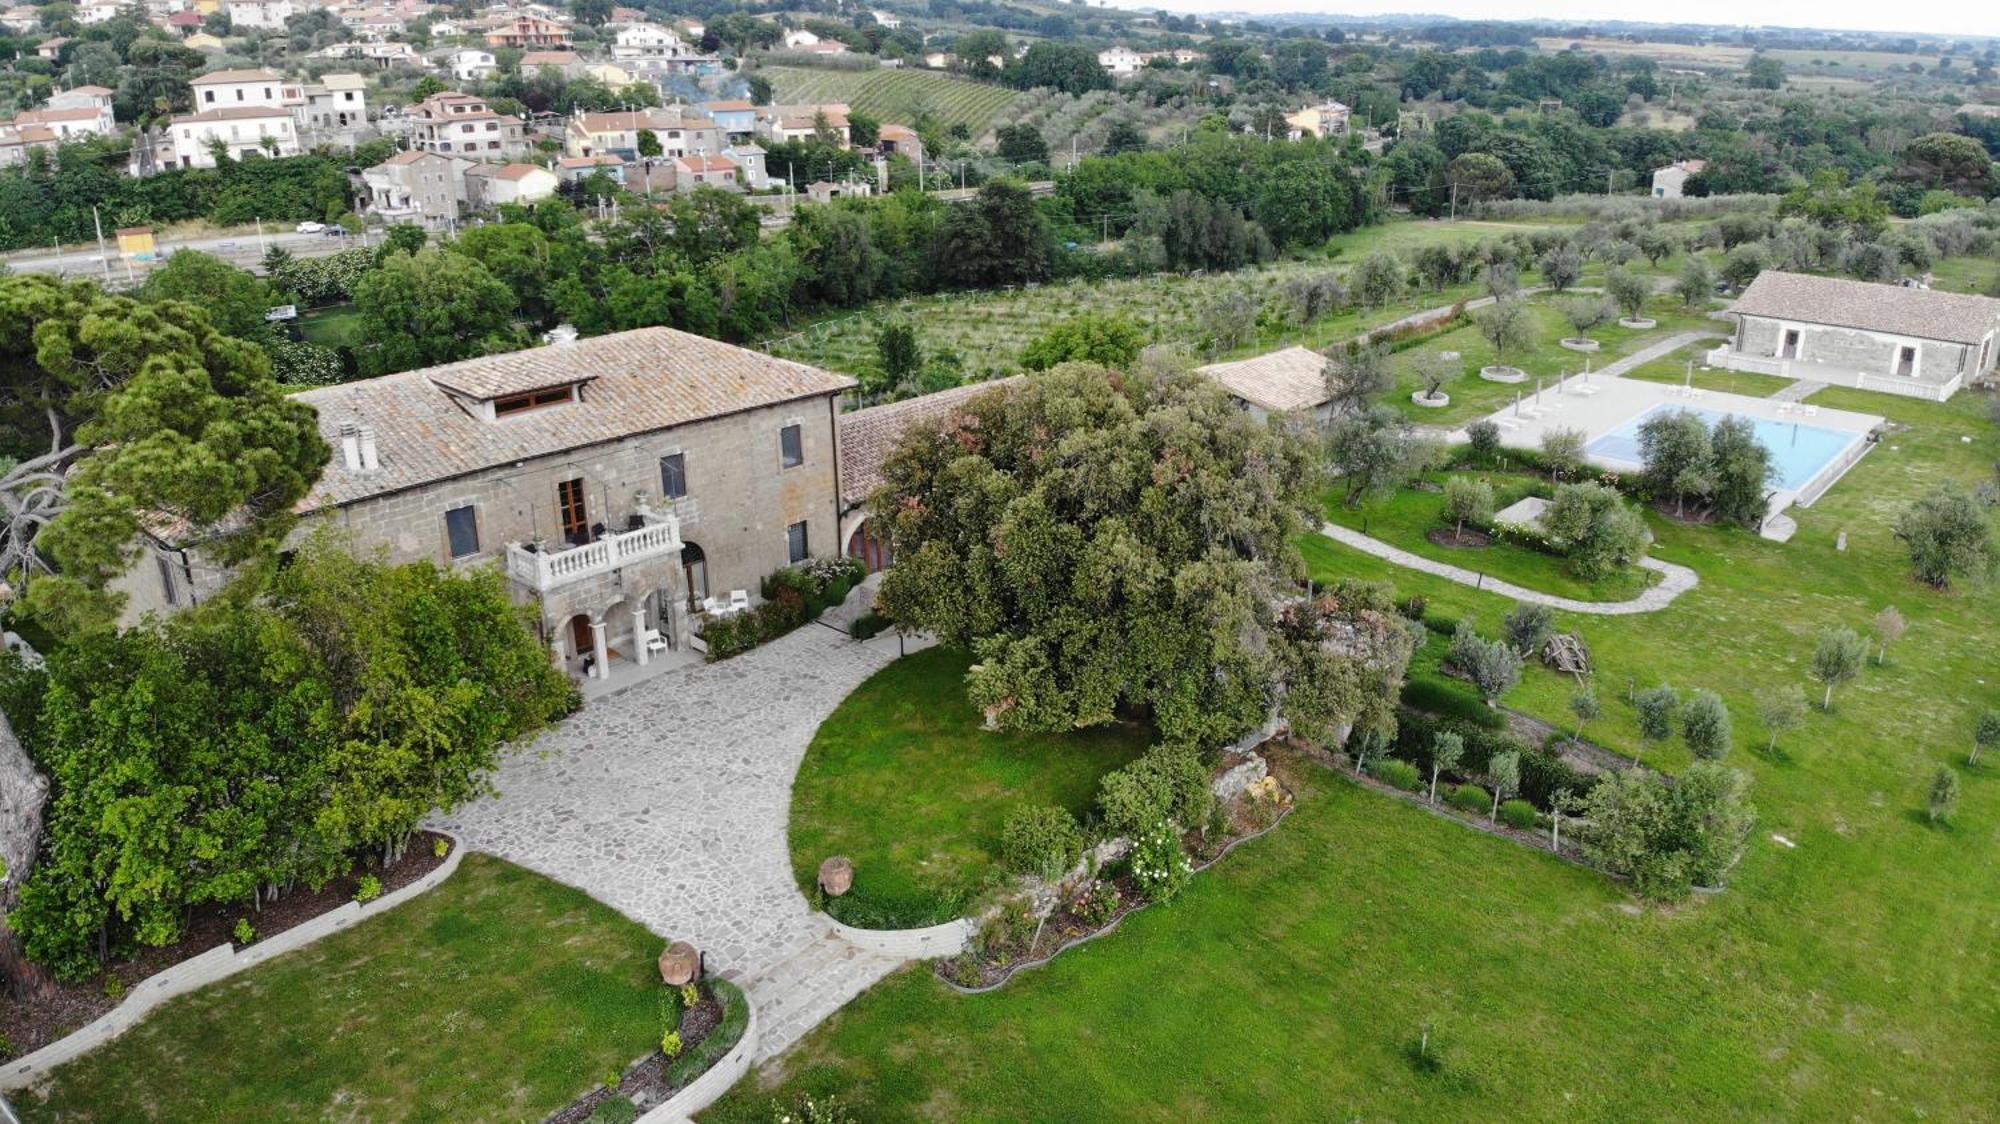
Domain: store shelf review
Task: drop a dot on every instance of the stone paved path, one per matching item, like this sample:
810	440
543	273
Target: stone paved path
1799	391
1674	581
669	802
1649	353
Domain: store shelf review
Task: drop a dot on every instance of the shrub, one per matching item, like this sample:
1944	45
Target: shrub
614	1110
441	846
1160	865
1168	782
1397	773
1471	798
1519	814
1705	725
670	1044
244	932
1096	903
1493	667
369	890
868	625
1656	712
1040	839
1413	607
1466	500
1528	627
1483	440
1943	795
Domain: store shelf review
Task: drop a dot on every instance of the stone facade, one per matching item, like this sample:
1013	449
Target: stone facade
1870	353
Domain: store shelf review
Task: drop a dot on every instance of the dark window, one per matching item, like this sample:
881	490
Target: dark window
790	443
674	476
796	537
515	403
461	527
167	587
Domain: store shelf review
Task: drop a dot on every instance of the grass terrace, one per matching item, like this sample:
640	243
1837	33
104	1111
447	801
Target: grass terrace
1850	970
904	780
498	995
1673	370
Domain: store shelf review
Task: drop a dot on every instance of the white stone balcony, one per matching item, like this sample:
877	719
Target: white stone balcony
543	570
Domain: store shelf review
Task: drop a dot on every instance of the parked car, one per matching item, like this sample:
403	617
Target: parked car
311	227
335	231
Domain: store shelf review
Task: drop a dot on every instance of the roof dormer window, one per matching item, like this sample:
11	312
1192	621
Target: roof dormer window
534	400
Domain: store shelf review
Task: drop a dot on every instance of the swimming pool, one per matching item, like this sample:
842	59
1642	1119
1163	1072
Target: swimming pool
1799	452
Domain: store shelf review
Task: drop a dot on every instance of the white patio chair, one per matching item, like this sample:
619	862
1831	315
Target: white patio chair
714	606
654	641
739	600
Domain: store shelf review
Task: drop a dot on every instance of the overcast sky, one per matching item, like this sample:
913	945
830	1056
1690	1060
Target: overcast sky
1961	17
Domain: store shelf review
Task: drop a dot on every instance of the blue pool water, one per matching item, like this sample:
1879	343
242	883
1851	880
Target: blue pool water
1798	451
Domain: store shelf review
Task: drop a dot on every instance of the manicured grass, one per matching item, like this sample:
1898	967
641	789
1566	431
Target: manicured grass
1673	370
904	780
334	326
1406	519
498	995
1853	974
1473	397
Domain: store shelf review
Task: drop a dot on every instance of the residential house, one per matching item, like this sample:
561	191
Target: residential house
469	64
696	170
69	124
900	140
1325	120
1669	182
644	40
259	15
85	97
796	38
824	47
203	41
826	191
456	124
1121	61
565	62
617	482
528	33
749	161
421	187
890	20
231	89
336	104
95	12
576	169
240	130
21	20
736	119
186	23
17	142
1281	384
779	123
51	49
679	130
382	55
613	76
1916	342
488	186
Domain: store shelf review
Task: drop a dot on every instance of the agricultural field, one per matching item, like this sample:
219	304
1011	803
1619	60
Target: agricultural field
1730	57
897	96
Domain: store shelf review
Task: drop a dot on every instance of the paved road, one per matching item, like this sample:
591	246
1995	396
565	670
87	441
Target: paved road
242	249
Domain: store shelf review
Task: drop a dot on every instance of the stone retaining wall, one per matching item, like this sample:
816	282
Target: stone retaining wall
217	963
706	1089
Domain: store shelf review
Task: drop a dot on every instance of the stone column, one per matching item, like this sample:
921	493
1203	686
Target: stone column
597	647
556	649
639	633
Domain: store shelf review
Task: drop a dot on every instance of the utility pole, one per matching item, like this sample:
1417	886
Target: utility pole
1454	200
102	254
1609	177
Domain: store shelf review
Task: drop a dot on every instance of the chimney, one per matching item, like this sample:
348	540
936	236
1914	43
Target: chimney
350	446
369	461
562	335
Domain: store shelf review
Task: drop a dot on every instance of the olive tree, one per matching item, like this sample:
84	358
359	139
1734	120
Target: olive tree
1943	795
1446	749
1656	709
1985	734
1837	659
1527	627
1506	325
1889	628
1467	499
1949	534
1503	772
1584	707
1561	266
1628	291
1782	710
1562	451
1491	666
1705	725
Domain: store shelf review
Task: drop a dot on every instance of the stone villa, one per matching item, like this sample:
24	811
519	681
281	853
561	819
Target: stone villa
619	482
1915	342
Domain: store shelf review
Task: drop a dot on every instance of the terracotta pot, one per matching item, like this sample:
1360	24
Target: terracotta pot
836	876
680	964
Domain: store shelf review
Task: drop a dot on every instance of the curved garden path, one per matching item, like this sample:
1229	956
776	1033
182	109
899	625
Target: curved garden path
1674	579
669	801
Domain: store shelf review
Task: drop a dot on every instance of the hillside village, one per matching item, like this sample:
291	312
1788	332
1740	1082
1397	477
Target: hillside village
596	563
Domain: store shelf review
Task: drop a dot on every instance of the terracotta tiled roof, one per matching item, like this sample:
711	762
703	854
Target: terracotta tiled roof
1280	382
703	164
40	116
727	106
234	76
640	382
504	171
1841	303
867	437
92	91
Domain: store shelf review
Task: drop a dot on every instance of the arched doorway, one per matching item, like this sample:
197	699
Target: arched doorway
694	567
580	640
872	549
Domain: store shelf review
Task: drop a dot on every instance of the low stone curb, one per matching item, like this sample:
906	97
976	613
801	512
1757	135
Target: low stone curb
929	943
220	962
717	1080
1675	579
1115	922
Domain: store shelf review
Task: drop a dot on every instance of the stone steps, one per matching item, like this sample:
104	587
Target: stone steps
810	983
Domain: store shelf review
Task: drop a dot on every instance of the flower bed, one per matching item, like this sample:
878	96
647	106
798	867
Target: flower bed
1095	901
701	1022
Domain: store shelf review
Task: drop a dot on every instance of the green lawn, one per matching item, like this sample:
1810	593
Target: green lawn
498	995
1674	369
904	780
334	326
1854	975
1406	518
